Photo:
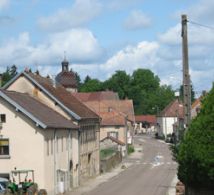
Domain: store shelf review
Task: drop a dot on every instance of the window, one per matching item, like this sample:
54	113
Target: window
2	118
4	147
113	134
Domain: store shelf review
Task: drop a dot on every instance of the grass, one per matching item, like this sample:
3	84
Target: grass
106	152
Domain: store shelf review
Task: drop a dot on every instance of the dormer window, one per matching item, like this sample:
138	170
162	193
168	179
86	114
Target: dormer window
2	118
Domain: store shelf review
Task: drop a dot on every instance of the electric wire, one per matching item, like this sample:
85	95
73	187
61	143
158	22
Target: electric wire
201	25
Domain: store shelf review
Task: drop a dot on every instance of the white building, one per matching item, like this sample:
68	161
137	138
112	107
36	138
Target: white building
168	117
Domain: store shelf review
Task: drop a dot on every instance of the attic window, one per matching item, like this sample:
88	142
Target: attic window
2	118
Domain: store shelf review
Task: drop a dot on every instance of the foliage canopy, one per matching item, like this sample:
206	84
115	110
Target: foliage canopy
143	87
196	150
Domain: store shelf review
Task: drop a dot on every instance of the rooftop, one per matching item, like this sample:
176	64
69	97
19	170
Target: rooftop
35	110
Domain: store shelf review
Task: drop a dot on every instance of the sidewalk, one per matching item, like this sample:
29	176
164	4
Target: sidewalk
172	189
94	182
132	159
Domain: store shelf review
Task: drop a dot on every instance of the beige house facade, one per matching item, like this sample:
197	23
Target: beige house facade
85	141
28	140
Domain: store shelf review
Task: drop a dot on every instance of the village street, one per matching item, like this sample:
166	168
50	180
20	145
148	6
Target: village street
151	173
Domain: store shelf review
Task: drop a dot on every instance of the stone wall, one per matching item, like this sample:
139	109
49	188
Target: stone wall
110	162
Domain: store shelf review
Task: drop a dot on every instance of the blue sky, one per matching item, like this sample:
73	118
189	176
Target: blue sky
102	36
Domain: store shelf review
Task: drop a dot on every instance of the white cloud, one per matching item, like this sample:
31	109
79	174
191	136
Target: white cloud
203	11
142	55
81	12
4	4
137	20
79	44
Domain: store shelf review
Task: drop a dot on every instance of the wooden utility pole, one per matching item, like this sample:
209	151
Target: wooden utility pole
186	76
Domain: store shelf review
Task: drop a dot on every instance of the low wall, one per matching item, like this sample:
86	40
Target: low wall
110	162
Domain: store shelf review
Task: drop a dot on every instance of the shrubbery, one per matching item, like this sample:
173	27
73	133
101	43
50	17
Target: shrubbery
130	149
196	150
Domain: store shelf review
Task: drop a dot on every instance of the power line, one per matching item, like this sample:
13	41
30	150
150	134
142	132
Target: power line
202	25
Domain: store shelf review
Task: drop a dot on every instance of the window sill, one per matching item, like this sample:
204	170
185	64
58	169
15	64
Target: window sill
4	156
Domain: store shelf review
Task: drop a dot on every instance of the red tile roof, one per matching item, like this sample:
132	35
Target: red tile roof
112	119
40	111
174	109
123	107
146	118
67	79
97	96
114	140
113	112
65	97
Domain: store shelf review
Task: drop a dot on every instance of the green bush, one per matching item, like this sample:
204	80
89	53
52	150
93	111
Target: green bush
130	149
106	152
196	150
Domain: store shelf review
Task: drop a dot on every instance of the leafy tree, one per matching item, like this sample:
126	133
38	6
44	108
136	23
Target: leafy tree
78	79
182	93
120	83
9	74
143	87
196	151
91	85
145	79
87	78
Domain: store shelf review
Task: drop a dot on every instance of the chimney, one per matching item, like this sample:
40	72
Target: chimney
1	80
54	81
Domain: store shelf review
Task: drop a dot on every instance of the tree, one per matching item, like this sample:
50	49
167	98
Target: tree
91	85
196	150
182	93
120	83
148	96
9	74
78	79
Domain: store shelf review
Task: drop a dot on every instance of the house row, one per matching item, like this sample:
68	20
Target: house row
117	115
46	126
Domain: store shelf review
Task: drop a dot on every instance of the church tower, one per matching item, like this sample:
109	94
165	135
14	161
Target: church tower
67	78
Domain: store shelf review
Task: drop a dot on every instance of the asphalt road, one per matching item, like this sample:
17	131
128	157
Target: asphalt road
151	174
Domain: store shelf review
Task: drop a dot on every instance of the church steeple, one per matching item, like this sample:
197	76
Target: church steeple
67	78
65	64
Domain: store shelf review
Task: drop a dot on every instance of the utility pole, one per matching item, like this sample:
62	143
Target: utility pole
186	75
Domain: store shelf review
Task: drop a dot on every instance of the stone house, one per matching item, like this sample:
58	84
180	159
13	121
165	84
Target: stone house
117	115
34	136
55	96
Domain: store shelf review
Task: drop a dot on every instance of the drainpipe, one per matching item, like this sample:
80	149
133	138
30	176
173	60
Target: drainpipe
55	181
165	128
78	171
69	158
126	141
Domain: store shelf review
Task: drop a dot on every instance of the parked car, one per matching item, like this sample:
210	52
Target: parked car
3	184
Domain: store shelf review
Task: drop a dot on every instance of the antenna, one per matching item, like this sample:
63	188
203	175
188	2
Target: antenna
64	55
